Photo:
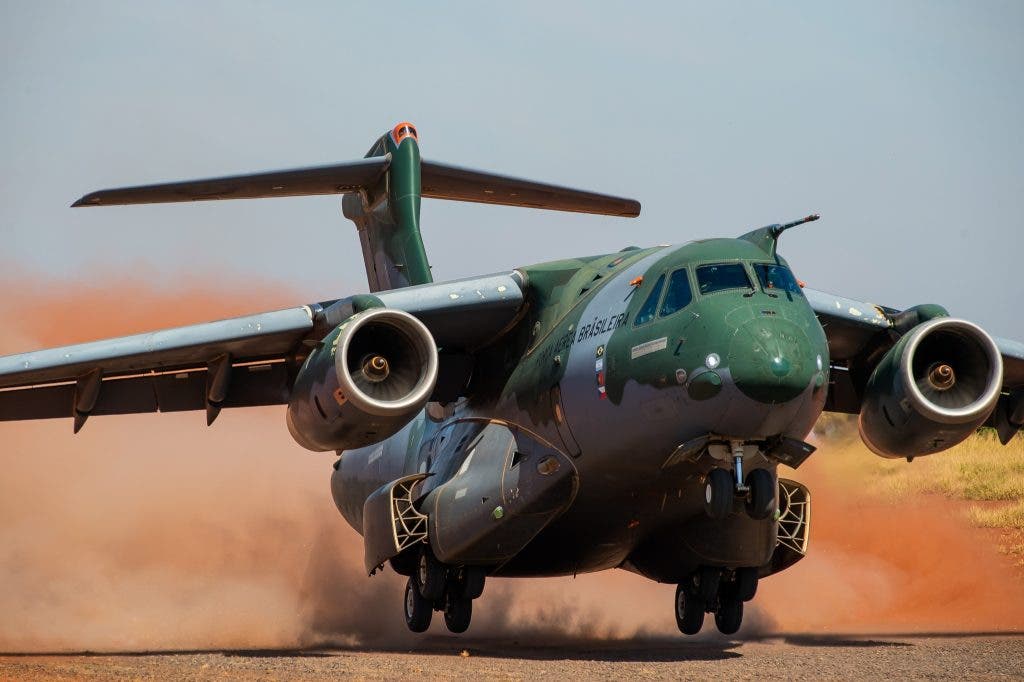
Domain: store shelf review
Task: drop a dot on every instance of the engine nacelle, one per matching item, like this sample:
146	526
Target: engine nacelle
364	382
931	390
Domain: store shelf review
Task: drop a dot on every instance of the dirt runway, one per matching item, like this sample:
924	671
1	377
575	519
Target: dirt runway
993	656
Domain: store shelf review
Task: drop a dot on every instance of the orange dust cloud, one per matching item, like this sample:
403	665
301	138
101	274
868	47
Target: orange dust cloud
881	565
154	532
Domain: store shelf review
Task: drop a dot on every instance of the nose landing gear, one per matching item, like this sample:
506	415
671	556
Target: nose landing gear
435	586
757	493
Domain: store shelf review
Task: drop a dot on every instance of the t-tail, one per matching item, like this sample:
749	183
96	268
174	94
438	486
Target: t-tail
383	193
387	215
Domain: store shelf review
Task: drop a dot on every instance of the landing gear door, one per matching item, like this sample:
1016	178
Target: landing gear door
562	424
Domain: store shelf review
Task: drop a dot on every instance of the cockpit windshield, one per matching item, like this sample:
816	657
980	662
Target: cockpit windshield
776	277
721	276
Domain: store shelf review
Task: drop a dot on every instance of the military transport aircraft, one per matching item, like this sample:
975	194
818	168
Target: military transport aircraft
624	410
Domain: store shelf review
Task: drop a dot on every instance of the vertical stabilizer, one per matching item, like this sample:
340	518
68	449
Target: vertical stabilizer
387	215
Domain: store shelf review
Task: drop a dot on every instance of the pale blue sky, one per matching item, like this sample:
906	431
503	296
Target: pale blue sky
899	122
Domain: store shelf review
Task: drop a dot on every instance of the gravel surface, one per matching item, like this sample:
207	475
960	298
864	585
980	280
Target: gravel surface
897	656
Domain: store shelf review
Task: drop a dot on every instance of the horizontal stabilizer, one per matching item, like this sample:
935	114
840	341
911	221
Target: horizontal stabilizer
335	179
441	181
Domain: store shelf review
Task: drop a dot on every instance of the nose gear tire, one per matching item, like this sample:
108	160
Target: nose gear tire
718	493
761	499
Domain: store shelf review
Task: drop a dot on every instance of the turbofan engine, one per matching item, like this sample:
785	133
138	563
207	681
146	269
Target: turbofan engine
363	382
931	390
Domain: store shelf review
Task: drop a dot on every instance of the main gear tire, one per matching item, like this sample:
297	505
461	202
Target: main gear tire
689	611
430	576
471	581
746	583
405	563
418	610
707	583
729	615
458	612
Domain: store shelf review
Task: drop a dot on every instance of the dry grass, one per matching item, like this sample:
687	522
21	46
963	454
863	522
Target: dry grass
1006	516
979	471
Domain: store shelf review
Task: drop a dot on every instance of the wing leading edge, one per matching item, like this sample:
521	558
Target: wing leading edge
238	362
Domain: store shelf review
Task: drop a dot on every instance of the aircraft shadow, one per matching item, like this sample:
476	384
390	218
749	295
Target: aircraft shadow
707	647
646	649
554	647
875	639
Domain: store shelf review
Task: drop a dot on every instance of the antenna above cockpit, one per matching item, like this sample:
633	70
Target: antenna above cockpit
767	237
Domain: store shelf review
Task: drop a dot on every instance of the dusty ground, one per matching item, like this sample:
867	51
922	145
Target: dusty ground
892	656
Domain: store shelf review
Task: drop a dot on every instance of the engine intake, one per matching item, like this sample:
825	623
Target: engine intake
365	381
931	390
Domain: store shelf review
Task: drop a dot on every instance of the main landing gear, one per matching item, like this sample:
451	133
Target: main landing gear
434	586
718	591
722	489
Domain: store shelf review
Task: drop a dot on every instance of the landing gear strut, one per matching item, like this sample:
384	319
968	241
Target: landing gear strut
435	586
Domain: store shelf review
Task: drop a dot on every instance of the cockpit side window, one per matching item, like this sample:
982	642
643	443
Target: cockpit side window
678	295
777	278
646	312
721	276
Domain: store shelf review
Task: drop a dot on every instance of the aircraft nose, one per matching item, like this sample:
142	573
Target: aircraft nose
771	360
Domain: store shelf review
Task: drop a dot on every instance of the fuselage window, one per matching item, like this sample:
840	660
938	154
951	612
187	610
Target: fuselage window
678	295
776	277
646	312
712	278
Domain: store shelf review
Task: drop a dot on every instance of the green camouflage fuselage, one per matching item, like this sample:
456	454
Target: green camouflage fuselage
595	373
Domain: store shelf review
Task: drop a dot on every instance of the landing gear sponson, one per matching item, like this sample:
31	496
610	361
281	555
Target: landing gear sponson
433	586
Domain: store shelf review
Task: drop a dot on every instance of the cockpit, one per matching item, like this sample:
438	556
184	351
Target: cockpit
776	278
673	291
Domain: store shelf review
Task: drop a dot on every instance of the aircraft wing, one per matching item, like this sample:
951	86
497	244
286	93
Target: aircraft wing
243	361
857	331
